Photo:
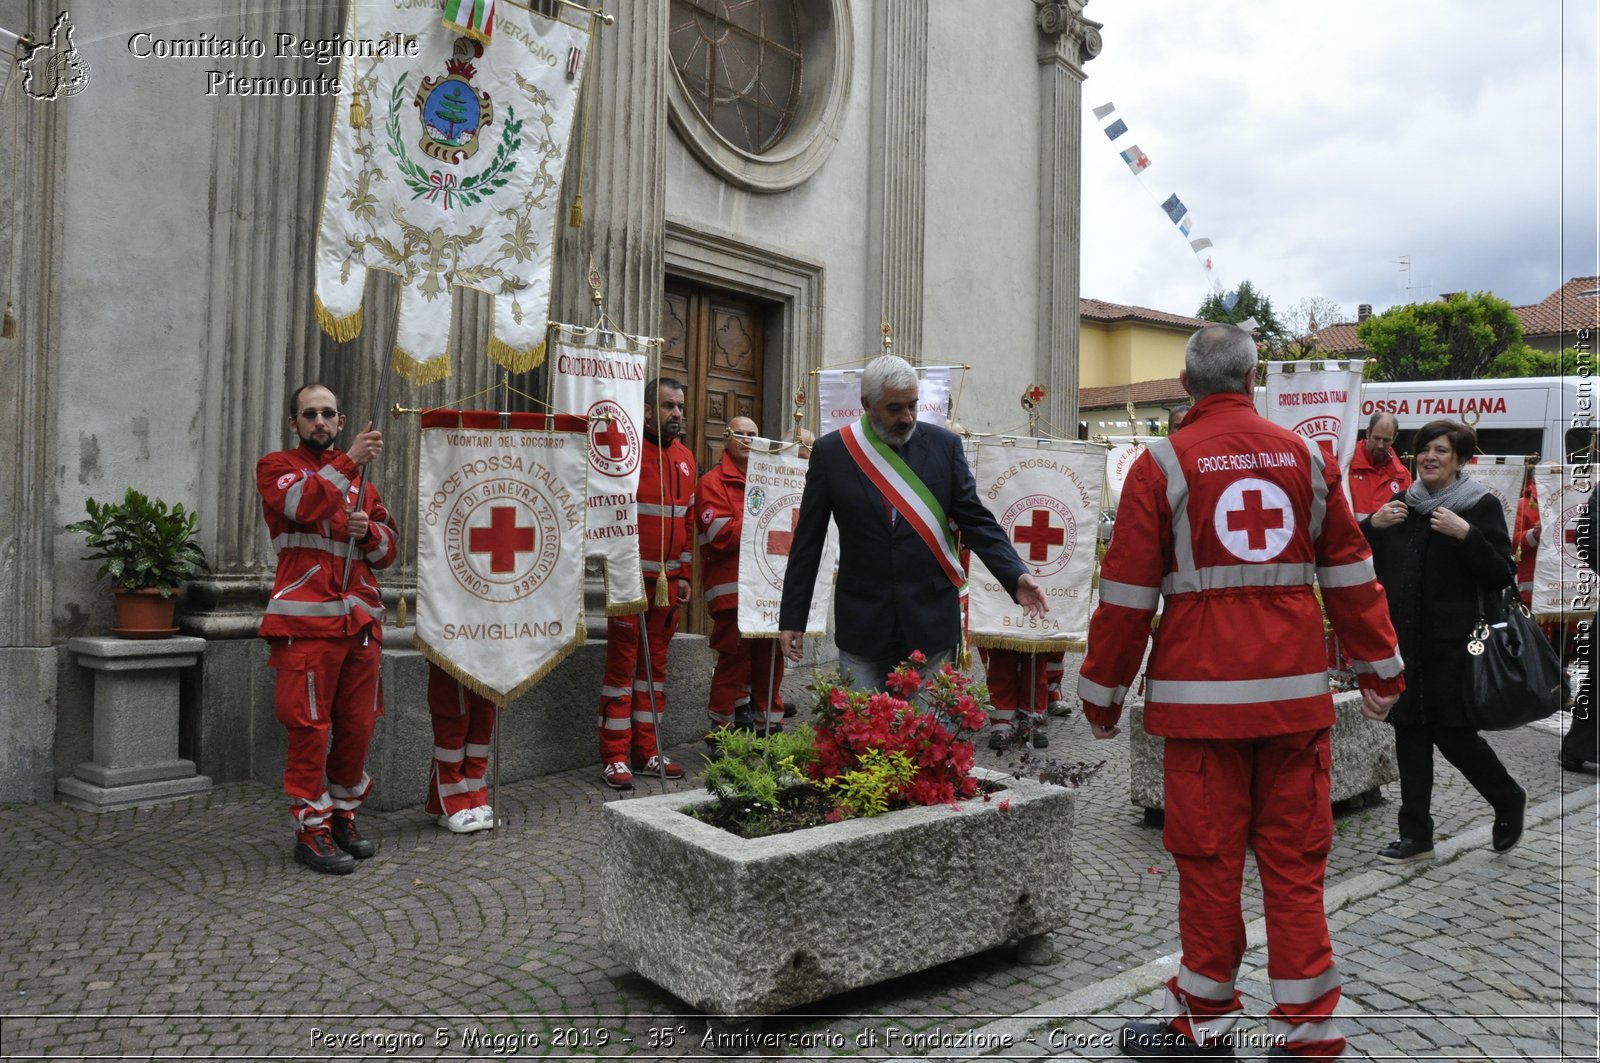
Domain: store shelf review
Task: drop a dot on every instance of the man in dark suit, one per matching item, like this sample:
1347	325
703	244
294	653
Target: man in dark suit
890	482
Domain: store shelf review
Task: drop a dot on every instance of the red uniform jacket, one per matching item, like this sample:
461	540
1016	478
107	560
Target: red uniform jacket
1525	542
1371	486
666	489
303	498
719	516
1229	520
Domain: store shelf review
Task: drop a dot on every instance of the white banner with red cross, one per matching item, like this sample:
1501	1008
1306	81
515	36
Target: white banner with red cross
1503	475
839	396
1319	400
1045	494
1564	586
605	381
774	481
1125	450
500	519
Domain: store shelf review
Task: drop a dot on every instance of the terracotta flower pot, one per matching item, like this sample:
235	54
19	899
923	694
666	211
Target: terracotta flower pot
144	614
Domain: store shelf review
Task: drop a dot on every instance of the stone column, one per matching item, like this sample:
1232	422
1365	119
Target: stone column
898	176
1066	41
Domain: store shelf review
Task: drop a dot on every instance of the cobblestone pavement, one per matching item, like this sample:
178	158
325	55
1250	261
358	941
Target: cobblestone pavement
187	932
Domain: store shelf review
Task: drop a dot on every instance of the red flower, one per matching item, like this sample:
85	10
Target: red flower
918	657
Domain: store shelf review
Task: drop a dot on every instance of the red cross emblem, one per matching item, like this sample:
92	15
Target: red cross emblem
613	439
779	542
1039	535
501	539
1254	520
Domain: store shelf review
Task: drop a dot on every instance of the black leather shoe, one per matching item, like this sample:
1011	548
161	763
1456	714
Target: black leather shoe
1508	824
347	836
1574	763
1157	1040
790	710
317	851
1039	738
1405	850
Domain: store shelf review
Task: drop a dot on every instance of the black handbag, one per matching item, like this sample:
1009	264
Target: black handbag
1514	675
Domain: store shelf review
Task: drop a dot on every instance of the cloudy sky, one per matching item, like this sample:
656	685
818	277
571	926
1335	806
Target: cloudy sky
1318	143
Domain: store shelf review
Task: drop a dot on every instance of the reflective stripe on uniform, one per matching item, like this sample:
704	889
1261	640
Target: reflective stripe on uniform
1129	595
1166	459
1096	694
1234	691
614	692
1228	577
1319	489
447	756
1352	575
1205	988
1387	668
1305	990
713	529
650	509
721	589
283	608
303	541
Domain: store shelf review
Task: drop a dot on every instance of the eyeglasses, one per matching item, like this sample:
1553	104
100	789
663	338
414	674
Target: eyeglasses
324	413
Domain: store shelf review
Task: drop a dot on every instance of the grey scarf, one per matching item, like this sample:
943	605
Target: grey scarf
1455	496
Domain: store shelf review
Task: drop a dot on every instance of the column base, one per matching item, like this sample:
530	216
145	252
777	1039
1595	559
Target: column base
92	797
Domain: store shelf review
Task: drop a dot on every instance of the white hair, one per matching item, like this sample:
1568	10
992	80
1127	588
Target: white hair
887	372
1217	359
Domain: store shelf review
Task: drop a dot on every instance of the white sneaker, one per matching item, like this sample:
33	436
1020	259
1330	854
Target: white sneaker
463	822
485	814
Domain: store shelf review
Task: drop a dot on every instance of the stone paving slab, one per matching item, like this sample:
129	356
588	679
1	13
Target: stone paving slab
186	931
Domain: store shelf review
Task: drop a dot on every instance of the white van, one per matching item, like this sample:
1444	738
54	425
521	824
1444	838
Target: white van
1551	416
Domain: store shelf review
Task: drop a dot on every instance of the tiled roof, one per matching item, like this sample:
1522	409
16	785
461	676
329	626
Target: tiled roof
1110	313
1572	306
1142	393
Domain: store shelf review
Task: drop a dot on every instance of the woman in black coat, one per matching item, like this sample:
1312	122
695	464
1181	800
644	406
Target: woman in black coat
1435	548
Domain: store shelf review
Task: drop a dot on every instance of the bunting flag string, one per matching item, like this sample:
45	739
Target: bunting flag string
1138	162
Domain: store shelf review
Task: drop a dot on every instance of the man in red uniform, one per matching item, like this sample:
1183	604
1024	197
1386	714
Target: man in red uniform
1228	520
324	627
1019	694
666	489
744	687
1376	472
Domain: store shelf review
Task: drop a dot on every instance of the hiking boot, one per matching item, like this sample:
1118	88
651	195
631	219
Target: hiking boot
348	837
316	850
1157	1040
655	765
617	776
1405	850
1508	825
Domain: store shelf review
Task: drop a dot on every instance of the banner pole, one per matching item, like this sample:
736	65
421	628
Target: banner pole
650	689
361	495
494	767
772	672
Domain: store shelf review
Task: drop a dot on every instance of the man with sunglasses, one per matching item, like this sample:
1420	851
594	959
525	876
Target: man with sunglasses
324	623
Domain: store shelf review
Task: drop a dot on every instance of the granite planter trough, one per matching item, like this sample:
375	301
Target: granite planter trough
740	928
1363	757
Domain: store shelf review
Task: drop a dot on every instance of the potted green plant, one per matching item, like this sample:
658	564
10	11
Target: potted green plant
146	549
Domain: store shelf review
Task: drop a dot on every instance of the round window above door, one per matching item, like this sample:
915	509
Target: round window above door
758	86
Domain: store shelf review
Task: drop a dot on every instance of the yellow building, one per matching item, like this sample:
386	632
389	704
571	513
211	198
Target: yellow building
1129	354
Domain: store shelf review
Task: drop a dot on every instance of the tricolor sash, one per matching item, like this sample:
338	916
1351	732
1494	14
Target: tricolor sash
907	493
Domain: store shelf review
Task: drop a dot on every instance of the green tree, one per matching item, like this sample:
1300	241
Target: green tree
1458	337
1269	331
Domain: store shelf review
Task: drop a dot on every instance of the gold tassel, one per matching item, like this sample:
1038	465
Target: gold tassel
358	111
663	595
9	328
400	613
964	663
576	218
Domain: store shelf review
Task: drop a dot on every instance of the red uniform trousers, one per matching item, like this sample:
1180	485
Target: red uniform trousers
1271	794
1054	667
625	720
746	670
327	686
463	724
1011	673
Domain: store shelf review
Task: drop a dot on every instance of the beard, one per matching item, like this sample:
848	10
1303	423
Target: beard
895	435
317	446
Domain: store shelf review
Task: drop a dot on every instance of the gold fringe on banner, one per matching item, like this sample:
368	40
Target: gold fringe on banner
419	372
343	329
579	637
633	608
517	361
1011	642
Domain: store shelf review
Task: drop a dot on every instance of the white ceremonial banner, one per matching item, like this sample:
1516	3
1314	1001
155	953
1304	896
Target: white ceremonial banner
1563	585
774	482
1045	494
1125	450
839	397
1503	475
453	179
1319	400
606	382
500	519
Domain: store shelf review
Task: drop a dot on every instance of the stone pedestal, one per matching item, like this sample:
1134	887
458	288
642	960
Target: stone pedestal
136	758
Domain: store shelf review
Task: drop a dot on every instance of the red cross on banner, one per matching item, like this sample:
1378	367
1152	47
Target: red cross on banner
779	542
501	539
1040	534
1255	520
613	438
